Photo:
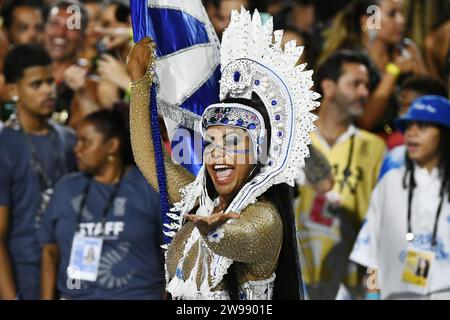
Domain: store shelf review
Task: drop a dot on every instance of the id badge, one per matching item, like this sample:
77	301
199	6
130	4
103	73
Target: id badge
85	257
417	270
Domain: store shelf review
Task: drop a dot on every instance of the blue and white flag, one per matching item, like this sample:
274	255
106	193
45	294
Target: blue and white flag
188	57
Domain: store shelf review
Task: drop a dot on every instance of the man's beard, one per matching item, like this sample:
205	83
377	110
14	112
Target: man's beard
347	106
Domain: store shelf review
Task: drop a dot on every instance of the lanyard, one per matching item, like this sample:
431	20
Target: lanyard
111	198
410	234
58	155
44	181
347	170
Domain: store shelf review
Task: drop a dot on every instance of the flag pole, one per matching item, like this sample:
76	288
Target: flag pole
140	22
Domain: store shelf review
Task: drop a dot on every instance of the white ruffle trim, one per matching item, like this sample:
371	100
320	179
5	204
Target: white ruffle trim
250	290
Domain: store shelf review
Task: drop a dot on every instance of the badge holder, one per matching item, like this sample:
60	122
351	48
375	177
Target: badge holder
85	257
417	270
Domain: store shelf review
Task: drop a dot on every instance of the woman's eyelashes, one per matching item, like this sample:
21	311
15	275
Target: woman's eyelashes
230	144
232	140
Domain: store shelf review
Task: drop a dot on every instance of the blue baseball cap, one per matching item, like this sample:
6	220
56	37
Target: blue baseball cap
432	109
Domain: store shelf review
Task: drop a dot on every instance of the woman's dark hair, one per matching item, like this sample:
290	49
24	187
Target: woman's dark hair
310	51
113	124
288	281
122	9
425	85
345	32
444	164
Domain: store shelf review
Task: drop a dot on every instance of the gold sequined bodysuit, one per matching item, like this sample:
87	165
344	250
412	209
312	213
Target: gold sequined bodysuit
253	241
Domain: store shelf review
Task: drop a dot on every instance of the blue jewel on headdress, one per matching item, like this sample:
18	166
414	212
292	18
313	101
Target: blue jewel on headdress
212	120
237	76
251	126
280	134
218	110
270	163
278	117
224	120
242	296
240	122
274	102
257	82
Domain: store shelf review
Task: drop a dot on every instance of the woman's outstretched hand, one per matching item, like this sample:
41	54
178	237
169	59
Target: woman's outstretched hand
140	57
210	223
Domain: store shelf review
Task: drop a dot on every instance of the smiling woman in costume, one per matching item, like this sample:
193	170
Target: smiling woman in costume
238	240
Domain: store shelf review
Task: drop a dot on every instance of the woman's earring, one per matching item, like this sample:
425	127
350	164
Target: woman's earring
372	35
111	158
15	98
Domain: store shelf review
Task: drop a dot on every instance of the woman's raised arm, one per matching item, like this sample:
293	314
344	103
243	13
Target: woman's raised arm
138	63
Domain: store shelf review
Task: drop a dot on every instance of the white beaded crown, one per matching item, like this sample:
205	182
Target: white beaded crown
253	61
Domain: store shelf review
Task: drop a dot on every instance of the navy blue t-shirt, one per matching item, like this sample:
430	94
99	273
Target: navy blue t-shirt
131	264
20	188
20	191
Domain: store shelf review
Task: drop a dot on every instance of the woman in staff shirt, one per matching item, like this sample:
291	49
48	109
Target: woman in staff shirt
408	222
101	232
